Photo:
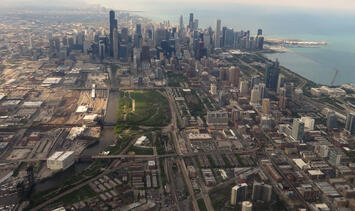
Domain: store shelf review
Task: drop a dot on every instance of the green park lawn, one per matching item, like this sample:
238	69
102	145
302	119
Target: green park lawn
151	108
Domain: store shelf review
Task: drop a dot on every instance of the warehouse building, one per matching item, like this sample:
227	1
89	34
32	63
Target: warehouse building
61	160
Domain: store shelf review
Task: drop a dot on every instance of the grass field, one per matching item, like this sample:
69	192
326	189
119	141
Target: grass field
125	135
151	108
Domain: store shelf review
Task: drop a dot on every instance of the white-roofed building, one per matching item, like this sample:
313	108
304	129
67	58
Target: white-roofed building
82	109
141	140
51	81
61	160
316	174
301	164
308	122
32	104
90	117
199	137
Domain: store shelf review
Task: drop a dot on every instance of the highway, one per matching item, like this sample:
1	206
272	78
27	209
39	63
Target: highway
170	178
146	157
182	155
179	160
117	89
206	197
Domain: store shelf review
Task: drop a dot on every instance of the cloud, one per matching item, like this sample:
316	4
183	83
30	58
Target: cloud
44	3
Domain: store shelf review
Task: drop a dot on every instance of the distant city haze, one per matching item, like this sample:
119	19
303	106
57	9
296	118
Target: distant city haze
142	4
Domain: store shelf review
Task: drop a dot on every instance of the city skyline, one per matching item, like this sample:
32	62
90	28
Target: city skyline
104	109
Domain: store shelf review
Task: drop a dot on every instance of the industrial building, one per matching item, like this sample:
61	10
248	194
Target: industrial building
61	160
199	137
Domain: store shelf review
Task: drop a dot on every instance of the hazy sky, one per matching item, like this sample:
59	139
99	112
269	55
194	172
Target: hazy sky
324	4
142	4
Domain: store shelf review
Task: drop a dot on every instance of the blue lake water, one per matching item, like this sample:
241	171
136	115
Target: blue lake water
320	64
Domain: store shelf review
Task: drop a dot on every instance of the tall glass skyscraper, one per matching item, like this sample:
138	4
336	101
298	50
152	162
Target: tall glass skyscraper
113	26
191	21
217	42
350	123
272	76
297	129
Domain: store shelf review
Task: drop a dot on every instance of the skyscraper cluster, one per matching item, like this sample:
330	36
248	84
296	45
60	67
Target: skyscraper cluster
204	41
230	39
139	43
